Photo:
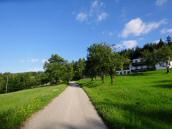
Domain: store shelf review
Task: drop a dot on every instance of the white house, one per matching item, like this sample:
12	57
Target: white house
163	65
139	65
123	72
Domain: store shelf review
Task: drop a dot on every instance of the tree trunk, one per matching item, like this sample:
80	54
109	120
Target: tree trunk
168	66
102	78
167	69
91	78
111	77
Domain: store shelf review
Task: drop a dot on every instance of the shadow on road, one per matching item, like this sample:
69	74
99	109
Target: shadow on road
66	125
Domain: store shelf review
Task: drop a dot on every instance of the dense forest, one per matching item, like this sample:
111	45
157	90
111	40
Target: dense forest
101	60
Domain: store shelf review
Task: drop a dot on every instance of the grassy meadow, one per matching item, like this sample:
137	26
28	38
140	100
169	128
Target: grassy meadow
142	101
16	107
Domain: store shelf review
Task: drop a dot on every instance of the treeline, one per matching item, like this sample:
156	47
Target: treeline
152	46
56	70
13	82
101	61
152	53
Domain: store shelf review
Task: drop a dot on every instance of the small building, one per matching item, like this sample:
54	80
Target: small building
123	72
139	65
126	70
136	65
163	65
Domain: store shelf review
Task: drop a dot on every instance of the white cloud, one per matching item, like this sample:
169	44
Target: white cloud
111	34
102	16
32	61
34	69
29	60
108	33
117	46
138	27
95	13
129	44
96	4
166	31
156	41
82	17
43	61
160	2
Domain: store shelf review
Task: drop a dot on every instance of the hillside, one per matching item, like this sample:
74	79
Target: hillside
142	101
16	107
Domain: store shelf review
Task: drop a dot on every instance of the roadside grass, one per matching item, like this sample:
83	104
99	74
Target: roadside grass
142	101
16	107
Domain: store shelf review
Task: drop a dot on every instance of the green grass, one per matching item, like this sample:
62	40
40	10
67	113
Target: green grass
16	107
142	101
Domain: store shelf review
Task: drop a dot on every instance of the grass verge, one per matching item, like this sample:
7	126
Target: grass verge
142	101
16	107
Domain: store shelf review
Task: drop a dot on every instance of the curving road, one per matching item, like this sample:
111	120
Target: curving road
71	110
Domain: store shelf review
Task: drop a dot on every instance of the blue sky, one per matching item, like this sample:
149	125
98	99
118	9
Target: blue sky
32	30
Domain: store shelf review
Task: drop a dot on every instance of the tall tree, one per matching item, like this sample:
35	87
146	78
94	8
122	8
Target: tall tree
2	83
116	62
169	41
100	59
165	55
58	69
67	72
161	43
150	57
90	68
54	68
79	69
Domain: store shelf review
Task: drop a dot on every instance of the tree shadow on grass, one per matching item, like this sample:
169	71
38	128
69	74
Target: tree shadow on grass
136	74
163	84
148	73
149	118
90	84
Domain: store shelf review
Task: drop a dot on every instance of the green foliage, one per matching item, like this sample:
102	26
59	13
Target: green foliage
101	56
79	69
152	53
2	83
18	106
154	56
58	70
67	73
101	61
141	101
19	81
169	40
150	57
164	54
56	59
149	47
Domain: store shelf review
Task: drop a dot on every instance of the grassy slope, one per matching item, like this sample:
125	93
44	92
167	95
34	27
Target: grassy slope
134	102
18	106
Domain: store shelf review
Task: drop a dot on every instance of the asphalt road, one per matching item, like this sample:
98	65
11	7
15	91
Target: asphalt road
71	110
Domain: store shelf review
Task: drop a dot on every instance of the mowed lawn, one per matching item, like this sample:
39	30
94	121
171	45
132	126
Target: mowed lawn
18	106
142	101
